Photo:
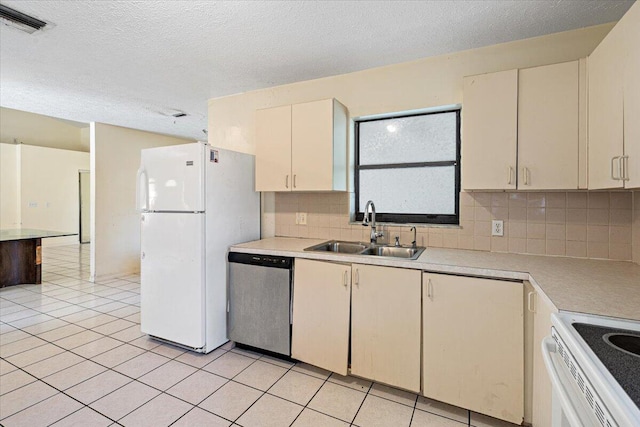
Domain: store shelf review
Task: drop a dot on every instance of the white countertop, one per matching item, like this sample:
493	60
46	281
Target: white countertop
607	288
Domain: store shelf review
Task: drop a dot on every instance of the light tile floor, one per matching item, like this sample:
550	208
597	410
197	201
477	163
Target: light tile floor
72	354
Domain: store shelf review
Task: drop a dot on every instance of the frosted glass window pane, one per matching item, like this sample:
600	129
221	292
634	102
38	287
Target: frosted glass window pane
426	190
427	138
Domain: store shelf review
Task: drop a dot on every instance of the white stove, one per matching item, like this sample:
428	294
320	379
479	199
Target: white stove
594	366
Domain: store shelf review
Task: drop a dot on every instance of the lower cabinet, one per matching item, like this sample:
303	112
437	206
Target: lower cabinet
473	344
385	325
542	310
321	299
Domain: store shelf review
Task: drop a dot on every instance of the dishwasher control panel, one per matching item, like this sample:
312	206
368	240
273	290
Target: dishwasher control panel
263	260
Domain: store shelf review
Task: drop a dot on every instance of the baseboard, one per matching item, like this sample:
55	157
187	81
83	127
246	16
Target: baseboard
103	277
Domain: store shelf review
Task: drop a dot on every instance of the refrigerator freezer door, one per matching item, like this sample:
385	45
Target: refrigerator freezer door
174	178
172	277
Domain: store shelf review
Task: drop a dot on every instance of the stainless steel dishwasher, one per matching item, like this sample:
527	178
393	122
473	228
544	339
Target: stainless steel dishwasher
260	290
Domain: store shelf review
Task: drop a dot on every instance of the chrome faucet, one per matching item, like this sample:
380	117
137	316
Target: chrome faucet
413	244
365	221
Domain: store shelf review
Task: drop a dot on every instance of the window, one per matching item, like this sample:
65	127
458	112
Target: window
410	167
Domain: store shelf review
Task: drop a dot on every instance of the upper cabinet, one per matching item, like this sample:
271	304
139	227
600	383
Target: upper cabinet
273	150
489	131
548	127
521	129
614	106
302	147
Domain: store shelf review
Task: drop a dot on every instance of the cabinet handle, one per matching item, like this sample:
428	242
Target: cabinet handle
294	180
430	290
623	167
286	182
530	306
525	176
510	175
613	160
357	277
345	280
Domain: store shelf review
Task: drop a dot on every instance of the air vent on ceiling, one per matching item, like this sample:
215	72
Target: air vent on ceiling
19	20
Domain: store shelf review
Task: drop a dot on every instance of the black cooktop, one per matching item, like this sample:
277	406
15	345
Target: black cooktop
618	358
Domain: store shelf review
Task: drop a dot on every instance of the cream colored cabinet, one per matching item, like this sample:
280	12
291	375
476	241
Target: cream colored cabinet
537	385
302	147
321	301
473	344
614	106
548	124
273	149
489	131
522	129
385	325
631	93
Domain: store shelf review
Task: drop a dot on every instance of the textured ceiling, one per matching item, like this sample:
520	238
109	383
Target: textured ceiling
132	63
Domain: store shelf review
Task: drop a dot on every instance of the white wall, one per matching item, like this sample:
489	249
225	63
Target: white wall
39	189
115	158
49	190
9	186
420	84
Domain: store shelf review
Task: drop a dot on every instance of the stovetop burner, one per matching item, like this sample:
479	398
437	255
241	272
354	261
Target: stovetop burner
618	351
630	344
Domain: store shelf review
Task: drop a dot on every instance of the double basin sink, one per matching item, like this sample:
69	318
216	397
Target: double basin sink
356	248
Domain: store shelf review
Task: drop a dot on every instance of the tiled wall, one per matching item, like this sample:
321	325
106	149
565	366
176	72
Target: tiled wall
576	224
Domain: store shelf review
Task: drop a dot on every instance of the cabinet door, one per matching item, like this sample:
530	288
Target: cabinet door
548	126
321	297
385	325
631	23
542	310
273	149
312	146
606	111
473	345
489	131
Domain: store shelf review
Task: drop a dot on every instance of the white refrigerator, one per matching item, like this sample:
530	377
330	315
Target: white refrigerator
195	201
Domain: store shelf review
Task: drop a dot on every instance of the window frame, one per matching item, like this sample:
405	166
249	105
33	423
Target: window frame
411	218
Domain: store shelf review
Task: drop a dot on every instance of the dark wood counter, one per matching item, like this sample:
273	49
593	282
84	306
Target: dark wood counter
21	255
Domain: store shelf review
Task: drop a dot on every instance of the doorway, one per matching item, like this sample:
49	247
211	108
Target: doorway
85	206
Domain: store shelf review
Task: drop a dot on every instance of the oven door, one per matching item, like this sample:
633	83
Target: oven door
569	407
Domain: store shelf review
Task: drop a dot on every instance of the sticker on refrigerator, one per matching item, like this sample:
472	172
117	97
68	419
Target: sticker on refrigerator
214	156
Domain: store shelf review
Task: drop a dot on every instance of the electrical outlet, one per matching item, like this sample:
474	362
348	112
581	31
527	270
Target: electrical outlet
497	228
303	218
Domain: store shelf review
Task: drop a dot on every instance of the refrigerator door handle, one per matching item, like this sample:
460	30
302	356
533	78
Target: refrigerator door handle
146	190
139	175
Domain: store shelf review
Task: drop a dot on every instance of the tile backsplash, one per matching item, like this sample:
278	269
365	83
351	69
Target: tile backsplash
576	224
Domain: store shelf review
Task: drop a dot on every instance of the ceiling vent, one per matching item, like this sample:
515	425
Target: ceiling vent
19	20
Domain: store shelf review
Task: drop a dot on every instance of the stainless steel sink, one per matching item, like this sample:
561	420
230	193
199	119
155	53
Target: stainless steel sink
394	251
339	247
356	248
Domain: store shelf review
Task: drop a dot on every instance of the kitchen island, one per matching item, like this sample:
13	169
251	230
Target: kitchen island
21	255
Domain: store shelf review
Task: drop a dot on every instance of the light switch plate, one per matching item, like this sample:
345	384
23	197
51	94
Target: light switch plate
497	227
302	217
